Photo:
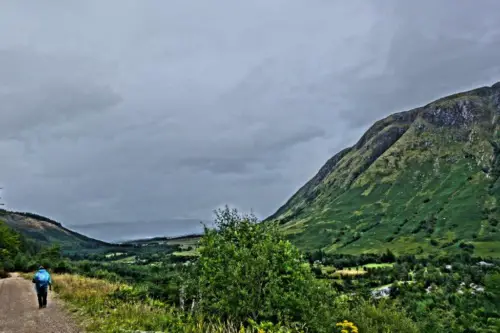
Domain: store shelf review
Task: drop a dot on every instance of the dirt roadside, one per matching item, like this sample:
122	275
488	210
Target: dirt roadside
19	311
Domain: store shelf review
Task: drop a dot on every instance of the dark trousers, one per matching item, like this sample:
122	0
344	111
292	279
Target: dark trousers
42	297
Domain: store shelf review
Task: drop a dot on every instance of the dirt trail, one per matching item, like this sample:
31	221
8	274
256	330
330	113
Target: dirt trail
19	311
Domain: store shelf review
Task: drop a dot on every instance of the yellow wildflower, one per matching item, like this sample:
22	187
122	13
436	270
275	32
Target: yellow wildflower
347	327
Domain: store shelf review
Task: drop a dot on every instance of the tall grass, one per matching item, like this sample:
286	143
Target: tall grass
102	306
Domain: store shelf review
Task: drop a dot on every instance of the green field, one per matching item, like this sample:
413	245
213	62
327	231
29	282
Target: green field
191	253
385	265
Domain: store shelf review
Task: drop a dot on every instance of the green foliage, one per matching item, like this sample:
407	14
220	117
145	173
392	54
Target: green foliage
9	241
10	245
247	270
20	254
381	318
492	283
248	278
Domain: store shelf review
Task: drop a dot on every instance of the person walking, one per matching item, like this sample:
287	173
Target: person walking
42	281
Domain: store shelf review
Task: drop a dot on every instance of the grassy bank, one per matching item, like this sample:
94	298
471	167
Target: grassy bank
102	306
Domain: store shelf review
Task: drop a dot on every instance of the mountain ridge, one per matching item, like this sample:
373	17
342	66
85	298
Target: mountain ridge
47	231
448	132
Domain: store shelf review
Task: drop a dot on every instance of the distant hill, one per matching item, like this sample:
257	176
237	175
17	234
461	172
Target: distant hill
122	231
421	180
186	240
46	231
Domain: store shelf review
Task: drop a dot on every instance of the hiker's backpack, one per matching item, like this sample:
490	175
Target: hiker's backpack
42	278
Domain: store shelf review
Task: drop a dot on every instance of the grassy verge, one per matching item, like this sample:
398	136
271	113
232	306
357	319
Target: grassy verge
102	306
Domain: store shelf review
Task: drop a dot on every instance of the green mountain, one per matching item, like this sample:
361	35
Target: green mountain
46	231
424	180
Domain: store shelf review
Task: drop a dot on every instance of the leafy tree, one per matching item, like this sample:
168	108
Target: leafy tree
9	246
381	318
9	240
21	262
388	256
52	253
492	282
247	270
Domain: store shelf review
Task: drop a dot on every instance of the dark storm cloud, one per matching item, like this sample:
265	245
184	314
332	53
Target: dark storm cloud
173	108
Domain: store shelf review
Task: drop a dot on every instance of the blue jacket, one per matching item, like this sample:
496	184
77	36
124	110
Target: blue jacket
42	279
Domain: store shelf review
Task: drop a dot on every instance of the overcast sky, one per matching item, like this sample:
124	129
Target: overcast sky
149	110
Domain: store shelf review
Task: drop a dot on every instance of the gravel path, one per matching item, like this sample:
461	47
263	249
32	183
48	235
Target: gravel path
19	311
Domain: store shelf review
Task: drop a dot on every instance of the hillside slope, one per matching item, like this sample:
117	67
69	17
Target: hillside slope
46	231
420	180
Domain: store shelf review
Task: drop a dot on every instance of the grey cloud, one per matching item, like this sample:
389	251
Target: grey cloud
265	147
174	108
267	138
37	89
217	165
434	50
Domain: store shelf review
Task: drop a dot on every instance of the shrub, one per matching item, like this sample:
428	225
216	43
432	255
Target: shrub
7	266
3	274
21	262
247	270
381	318
63	266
